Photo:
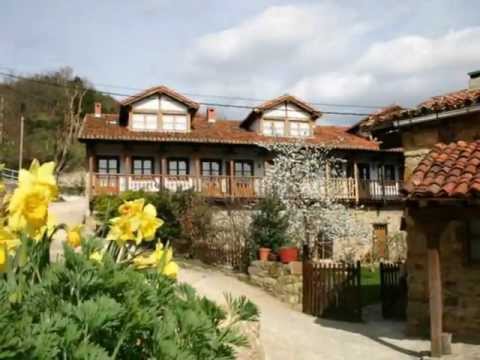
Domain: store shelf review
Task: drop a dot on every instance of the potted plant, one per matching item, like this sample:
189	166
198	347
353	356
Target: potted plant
288	253
269	225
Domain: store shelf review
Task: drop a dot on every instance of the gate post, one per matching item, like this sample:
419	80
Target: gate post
359	290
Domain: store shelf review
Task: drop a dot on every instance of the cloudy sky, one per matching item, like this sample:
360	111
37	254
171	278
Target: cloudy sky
368	53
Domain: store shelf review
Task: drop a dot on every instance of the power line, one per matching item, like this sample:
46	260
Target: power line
247	107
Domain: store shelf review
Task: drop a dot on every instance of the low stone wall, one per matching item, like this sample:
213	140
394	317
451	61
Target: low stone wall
284	281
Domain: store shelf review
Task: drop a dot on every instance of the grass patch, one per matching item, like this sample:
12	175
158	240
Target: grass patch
370	281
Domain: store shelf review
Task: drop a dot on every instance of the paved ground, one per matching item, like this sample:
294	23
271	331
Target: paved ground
290	335
72	212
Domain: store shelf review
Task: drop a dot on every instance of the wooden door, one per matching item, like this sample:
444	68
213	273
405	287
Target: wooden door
380	234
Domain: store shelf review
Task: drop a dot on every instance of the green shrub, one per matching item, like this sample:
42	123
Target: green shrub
269	224
85	310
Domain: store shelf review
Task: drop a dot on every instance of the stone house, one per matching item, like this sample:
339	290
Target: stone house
161	139
443	227
440	119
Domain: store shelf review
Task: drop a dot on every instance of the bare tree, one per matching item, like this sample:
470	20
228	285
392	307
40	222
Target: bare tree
74	94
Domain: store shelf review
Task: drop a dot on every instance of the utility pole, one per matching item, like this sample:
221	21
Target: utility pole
2	118
22	120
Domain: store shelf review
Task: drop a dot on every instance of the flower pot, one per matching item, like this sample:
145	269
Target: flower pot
288	254
263	253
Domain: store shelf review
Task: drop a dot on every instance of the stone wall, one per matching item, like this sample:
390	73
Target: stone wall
419	139
284	281
461	292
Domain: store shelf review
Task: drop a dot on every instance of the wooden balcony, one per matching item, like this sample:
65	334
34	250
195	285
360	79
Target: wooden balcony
249	187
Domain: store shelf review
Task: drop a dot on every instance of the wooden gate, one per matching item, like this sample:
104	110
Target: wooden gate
393	291
332	290
230	254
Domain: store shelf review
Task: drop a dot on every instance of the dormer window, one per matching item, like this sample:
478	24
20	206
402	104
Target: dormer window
175	122
274	127
145	122
299	128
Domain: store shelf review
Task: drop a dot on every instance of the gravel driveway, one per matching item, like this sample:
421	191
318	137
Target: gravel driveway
290	335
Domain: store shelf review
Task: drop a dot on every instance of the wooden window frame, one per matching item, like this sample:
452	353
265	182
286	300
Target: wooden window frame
178	159
144	114
251	162
142	159
293	121
108	158
273	121
174	114
367	166
210	161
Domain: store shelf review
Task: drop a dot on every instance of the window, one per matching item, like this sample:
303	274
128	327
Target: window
178	167
274	127
143	166
147	122
243	168
473	243
298	128
324	248
211	168
108	165
387	171
364	171
174	122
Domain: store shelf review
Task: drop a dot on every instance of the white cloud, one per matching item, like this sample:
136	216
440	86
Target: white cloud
328	53
410	54
333	86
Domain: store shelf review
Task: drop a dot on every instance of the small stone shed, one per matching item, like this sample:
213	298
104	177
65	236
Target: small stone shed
442	218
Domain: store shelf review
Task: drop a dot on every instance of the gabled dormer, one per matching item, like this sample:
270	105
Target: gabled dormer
284	116
158	109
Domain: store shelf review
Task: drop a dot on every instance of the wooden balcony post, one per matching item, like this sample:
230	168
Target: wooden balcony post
355	179
90	175
164	172
231	177
435	291
327	177
196	173
127	159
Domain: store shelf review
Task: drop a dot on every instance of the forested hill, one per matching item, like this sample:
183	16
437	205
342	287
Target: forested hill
53	105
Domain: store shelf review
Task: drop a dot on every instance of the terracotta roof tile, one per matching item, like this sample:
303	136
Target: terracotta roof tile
222	131
451	101
447	171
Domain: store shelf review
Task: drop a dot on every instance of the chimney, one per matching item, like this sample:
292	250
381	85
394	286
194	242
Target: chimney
474	82
98	109
211	116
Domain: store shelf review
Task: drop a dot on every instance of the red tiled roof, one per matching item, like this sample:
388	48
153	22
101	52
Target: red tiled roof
222	131
451	101
160	90
378	117
448	171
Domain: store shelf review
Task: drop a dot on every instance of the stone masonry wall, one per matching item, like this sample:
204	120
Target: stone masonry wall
461	292
284	281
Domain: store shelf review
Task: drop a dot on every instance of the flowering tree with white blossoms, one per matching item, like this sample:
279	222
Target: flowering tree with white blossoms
298	176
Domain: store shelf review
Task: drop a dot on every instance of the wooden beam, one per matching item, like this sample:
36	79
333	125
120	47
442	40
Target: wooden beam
355	179
435	293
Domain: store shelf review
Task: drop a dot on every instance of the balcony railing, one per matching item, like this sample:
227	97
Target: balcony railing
248	187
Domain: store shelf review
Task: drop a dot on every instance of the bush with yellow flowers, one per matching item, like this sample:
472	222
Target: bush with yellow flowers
109	298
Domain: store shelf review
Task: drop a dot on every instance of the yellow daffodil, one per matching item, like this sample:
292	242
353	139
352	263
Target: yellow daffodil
96	256
28	206
8	245
149	223
161	258
137	222
3	258
131	208
74	236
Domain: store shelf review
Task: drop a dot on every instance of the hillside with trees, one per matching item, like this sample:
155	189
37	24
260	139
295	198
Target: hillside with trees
53	104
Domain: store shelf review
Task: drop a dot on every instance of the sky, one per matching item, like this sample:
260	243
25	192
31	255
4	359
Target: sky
368	53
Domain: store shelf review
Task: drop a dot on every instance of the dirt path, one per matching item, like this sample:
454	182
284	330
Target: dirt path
290	335
72	212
